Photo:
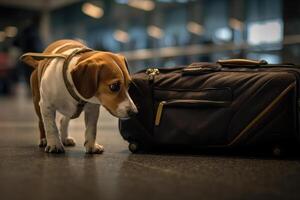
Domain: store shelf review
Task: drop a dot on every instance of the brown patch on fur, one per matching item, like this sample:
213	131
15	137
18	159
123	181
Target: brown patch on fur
86	77
36	99
59	43
122	63
86	55
67	47
94	73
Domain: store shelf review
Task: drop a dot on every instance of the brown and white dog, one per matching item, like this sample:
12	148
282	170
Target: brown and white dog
93	77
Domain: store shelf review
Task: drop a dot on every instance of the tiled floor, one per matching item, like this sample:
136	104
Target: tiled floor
26	172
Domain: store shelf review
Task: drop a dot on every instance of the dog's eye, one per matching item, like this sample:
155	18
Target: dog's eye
115	87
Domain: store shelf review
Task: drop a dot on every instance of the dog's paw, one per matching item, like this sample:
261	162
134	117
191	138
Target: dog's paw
69	141
54	147
43	142
94	148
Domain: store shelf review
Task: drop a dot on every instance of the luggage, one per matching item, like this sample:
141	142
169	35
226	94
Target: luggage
233	103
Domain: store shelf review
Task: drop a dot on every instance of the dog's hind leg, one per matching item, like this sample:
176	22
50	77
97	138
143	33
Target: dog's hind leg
43	140
36	98
66	139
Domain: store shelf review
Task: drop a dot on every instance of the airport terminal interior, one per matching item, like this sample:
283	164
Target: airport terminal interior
149	33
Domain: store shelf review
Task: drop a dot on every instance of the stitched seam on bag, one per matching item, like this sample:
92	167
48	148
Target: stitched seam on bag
193	90
262	114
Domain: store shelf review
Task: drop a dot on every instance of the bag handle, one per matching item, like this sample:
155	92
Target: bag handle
202	67
242	62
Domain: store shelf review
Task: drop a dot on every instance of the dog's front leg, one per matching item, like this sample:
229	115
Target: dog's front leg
65	137
91	114
54	144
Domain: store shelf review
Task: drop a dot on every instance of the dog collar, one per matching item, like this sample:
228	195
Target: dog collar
69	86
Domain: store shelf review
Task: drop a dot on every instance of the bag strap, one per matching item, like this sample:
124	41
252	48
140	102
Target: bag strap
67	59
242	62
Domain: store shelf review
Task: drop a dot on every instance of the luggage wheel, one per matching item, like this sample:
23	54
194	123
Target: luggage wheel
277	151
133	147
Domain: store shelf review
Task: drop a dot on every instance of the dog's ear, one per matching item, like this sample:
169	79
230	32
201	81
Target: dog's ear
124	66
30	60
86	77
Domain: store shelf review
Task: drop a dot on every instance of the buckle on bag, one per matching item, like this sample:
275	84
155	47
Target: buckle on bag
151	72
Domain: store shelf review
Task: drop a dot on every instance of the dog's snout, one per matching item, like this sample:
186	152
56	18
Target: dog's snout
127	108
133	111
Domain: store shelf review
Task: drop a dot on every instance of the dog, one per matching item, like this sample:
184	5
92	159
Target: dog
68	78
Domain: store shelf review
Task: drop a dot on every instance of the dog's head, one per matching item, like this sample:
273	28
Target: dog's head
105	76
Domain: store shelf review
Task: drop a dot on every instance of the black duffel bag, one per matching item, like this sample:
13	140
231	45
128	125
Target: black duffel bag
230	104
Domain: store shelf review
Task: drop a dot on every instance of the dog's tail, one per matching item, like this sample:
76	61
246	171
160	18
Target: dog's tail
33	59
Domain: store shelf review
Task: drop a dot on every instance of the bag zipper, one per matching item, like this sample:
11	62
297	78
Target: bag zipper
235	140
185	102
152	72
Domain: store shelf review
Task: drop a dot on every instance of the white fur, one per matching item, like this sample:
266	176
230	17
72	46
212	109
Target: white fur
124	106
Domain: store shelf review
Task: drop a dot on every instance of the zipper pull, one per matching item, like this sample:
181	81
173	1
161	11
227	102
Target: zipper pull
151	72
159	112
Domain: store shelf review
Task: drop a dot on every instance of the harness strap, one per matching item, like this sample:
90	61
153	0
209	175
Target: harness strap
69	86
67	59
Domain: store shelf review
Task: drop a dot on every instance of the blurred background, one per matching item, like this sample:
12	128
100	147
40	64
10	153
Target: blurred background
161	33
150	33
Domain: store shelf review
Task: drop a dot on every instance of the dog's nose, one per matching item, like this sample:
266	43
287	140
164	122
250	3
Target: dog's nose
132	113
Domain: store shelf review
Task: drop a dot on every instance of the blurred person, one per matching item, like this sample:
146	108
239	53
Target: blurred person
5	83
29	40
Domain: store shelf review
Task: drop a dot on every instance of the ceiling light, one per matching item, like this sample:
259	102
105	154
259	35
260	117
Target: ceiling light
155	32
92	10
11	31
195	28
121	36
146	5
236	24
223	34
